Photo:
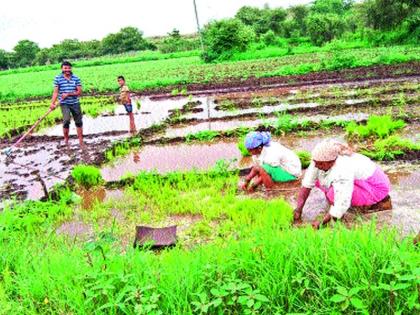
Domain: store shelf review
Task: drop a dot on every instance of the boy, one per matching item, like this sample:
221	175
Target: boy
125	100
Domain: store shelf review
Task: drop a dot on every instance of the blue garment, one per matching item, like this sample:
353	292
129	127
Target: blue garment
128	108
255	139
67	86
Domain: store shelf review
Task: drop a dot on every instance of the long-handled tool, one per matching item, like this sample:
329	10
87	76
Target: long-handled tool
8	151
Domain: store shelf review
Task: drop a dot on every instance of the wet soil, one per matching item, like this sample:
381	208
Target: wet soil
347	76
42	151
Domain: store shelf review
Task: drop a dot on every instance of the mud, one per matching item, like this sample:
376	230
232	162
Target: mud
382	73
42	151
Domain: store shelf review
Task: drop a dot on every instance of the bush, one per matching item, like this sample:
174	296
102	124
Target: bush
323	28
223	38
87	176
377	126
305	158
270	38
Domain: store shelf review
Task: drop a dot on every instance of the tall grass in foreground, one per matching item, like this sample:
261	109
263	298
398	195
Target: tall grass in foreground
274	271
256	263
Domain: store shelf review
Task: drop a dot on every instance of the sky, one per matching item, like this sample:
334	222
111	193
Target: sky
47	22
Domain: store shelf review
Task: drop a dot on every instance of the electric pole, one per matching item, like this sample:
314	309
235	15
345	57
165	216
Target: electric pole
198	26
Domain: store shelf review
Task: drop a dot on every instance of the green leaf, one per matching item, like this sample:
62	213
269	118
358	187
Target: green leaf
250	303
357	303
337	298
345	305
217	302
261	298
342	291
354	291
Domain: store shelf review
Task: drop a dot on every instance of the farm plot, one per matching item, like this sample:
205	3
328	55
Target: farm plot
235	252
166	75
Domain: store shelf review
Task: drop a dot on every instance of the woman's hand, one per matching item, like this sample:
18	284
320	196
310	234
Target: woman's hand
297	214
316	225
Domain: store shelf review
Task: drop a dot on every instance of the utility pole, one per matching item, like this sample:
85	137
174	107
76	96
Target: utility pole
198	26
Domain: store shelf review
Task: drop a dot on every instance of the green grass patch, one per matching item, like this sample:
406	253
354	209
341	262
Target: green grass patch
376	126
87	176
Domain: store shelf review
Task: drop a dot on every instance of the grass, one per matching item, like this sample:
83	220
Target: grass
122	148
87	176
15	118
253	263
160	73
202	136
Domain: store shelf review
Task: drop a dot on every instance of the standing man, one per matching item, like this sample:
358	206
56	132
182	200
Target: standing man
68	88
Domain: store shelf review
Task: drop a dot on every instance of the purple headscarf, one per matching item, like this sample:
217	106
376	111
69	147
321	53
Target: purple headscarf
255	139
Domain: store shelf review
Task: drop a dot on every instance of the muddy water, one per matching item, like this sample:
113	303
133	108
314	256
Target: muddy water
169	158
224	125
183	157
150	112
44	151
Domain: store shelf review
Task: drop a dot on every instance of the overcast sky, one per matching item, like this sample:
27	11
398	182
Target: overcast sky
49	21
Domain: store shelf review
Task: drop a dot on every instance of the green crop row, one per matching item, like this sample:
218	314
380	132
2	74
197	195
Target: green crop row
17	118
187	70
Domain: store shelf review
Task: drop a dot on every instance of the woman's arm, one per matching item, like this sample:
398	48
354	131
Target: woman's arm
302	197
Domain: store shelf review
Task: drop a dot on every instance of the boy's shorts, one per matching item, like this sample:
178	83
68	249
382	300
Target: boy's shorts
278	174
128	108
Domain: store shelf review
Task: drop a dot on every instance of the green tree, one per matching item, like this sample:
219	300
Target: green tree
295	23
127	39
331	6
224	37
323	28
5	59
386	14
25	53
43	57
262	20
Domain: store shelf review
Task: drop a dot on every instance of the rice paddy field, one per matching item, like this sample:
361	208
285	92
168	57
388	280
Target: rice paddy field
69	216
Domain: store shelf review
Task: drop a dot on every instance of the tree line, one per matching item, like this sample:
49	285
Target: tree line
381	22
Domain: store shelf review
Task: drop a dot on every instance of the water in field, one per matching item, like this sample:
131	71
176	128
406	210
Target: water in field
43	151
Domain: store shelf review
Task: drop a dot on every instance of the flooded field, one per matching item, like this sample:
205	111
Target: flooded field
42	162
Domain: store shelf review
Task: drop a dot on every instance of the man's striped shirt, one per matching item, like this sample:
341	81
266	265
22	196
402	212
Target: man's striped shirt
67	86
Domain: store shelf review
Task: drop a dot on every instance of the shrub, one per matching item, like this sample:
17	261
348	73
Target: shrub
305	158
377	126
87	176
269	38
222	38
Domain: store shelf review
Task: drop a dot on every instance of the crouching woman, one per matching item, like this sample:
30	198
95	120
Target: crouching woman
273	162
347	179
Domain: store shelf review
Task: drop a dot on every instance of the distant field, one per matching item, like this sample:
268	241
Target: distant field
142	75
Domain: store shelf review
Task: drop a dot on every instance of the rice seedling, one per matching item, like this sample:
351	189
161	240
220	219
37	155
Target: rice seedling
87	176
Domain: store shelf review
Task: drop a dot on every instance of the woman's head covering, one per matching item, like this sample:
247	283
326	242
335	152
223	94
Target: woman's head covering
255	139
329	150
